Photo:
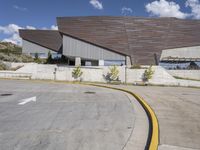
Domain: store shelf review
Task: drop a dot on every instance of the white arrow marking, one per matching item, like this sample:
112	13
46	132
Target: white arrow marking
24	101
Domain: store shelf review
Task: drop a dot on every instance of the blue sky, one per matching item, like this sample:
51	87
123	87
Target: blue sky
31	14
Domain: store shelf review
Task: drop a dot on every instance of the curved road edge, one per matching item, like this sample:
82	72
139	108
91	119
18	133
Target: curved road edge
153	141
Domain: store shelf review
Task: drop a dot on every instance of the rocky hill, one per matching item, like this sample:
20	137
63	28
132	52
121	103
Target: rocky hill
12	53
8	47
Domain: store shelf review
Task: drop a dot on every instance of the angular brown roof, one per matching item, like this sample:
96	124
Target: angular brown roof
47	38
137	37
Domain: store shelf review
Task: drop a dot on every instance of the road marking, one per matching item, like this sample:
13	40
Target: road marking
24	101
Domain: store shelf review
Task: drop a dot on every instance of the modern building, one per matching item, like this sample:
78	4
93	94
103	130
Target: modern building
41	42
104	40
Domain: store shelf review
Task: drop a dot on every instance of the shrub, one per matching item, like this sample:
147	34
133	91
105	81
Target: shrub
26	58
3	66
15	58
136	66
113	74
77	73
49	58
38	60
36	56
148	74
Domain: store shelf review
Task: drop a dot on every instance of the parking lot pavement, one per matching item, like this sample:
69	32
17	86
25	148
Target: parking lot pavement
178	112
40	116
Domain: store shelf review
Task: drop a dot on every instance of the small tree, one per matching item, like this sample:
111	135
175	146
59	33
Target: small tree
49	58
36	56
148	74
77	73
37	59
114	73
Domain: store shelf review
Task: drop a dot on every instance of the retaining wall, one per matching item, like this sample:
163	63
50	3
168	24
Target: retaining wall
190	74
94	74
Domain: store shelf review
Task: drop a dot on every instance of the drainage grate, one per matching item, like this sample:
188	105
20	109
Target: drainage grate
7	94
89	92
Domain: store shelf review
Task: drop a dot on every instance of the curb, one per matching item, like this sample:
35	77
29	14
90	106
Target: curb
153	141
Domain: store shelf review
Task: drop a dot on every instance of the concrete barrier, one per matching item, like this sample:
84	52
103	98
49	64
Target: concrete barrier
190	74
97	74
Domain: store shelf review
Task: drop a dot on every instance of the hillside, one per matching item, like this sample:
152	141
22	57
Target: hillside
8	47
12	53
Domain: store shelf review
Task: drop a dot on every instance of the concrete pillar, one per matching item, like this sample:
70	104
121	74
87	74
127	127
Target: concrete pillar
128	61
77	61
101	62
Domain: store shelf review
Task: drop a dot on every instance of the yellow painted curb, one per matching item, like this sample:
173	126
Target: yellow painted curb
154	141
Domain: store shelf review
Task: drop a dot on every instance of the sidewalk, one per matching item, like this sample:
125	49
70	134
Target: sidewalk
178	111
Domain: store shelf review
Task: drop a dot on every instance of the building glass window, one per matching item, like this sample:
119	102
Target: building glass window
40	55
56	56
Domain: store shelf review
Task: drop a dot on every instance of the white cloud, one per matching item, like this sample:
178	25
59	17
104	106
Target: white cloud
126	11
30	27
15	38
12	31
163	8
195	8
20	8
53	27
96	4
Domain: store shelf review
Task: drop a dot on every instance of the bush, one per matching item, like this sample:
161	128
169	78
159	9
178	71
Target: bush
49	58
39	60
77	73
113	74
148	74
136	66
3	66
15	58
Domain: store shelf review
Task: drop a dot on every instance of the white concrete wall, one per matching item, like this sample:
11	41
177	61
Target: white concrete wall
160	76
14	75
188	83
190	74
185	52
94	74
14	65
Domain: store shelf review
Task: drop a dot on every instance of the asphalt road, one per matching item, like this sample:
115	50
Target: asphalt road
41	116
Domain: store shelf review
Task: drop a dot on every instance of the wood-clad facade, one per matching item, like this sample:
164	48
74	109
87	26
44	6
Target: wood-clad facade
140	38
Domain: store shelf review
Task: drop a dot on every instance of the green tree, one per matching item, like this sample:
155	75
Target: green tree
37	59
49	58
148	74
36	56
77	72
